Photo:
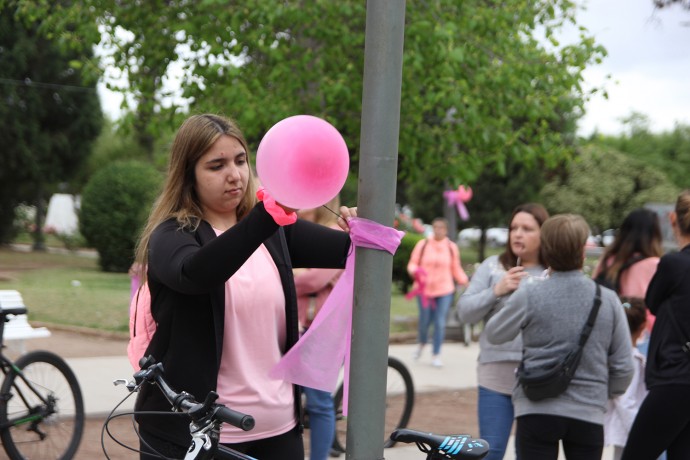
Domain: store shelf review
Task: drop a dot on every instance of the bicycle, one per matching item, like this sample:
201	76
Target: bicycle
399	405
207	418
41	405
457	446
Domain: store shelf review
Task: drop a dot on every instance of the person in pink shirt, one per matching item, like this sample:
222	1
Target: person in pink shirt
435	266
313	285
630	262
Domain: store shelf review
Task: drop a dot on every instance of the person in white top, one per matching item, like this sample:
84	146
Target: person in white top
621	410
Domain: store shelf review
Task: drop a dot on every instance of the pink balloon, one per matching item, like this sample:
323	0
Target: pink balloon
303	162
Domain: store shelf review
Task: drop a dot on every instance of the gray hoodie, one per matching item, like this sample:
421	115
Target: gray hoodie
479	303
550	314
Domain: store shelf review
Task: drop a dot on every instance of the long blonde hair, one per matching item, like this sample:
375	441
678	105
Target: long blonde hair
178	199
325	217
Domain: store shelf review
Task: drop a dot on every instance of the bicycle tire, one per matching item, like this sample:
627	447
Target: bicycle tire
62	430
399	405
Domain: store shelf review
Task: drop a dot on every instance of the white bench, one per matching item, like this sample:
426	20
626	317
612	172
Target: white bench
18	329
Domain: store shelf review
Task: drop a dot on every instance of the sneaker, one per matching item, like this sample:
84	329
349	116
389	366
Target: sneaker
437	362
417	352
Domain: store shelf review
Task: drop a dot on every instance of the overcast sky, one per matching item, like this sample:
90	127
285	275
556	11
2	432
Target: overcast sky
648	60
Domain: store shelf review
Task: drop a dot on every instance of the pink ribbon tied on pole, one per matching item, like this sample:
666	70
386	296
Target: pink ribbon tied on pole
317	357
458	198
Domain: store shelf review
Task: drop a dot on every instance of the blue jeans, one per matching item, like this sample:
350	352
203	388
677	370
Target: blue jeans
495	421
435	313
321	422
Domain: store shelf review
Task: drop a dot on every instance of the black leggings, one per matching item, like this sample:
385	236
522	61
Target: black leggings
287	446
662	423
537	437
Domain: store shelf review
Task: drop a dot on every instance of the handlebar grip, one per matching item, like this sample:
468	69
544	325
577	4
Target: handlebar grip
234	418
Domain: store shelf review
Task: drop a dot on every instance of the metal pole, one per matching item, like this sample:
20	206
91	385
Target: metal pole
376	201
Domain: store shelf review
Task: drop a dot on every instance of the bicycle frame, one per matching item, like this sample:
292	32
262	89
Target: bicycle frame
207	417
37	413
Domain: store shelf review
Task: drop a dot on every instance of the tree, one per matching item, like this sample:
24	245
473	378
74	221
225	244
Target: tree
51	114
115	204
483	83
604	185
668	151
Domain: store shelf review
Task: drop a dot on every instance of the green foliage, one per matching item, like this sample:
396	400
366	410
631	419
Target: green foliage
401	278
669	151
480	87
112	145
50	113
604	185
115	205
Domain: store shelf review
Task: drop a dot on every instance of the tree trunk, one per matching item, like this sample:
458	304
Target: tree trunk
38	236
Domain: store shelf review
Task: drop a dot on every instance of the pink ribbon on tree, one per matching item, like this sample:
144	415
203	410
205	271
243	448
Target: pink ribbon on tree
458	198
315	360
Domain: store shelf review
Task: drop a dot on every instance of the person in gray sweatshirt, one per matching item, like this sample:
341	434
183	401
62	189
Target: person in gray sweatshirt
491	286
550	314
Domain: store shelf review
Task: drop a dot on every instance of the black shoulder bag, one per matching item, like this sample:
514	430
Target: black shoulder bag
541	382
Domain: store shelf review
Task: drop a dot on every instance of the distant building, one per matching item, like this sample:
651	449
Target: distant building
62	214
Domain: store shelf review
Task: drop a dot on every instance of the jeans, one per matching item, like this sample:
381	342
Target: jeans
321	422
435	313
495	421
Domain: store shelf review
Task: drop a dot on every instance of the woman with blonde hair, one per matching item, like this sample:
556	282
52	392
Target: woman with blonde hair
219	268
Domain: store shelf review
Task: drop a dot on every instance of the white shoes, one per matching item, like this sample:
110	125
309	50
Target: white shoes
436	360
418	352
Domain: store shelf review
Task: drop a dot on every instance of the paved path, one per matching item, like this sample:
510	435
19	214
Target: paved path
98	361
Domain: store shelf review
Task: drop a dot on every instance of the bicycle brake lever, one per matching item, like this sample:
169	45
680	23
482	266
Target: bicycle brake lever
129	384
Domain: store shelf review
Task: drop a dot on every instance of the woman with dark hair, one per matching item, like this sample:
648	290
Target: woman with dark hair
663	421
629	263
491	286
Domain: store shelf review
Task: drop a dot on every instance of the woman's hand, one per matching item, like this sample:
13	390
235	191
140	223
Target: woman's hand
510	281
345	215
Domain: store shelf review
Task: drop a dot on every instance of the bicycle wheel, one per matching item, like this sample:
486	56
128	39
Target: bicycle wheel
43	417
399	404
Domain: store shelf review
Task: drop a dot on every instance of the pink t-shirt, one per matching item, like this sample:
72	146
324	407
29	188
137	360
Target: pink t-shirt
635	280
253	342
441	262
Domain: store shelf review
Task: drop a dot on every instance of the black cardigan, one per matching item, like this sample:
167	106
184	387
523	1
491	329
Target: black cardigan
187	272
669	289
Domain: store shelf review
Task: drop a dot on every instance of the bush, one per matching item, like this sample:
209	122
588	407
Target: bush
114	207
402	256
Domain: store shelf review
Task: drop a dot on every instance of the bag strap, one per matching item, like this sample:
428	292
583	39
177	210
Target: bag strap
589	325
426	240
685	342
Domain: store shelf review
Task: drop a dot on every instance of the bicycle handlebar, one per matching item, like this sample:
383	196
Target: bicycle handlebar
185	402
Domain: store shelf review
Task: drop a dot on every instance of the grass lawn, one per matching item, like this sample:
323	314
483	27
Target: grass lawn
67	289
70	289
